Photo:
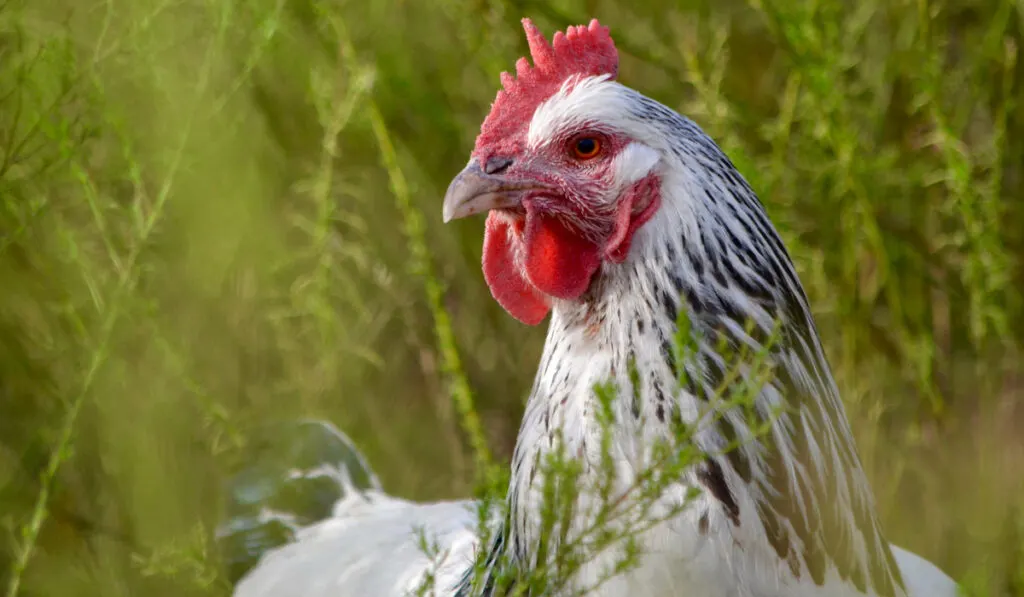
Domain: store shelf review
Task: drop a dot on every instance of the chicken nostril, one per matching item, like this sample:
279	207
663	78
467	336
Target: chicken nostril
497	165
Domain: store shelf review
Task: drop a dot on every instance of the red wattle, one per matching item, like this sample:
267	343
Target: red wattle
556	261
508	285
559	262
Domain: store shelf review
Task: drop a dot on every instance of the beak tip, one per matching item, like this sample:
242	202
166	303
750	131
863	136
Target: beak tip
452	208
473	191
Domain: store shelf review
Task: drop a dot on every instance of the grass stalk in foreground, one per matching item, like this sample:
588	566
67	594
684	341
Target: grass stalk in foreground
128	271
415	232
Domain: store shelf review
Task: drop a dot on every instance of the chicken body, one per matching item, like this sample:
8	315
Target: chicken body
367	544
616	215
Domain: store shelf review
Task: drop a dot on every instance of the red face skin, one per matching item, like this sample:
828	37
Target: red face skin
553	221
558	223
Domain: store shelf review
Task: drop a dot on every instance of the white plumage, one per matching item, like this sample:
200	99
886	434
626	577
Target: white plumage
616	242
370	546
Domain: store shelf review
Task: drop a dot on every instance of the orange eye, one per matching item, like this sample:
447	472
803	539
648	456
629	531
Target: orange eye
586	148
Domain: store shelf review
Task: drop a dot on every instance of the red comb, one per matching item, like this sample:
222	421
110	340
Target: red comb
581	50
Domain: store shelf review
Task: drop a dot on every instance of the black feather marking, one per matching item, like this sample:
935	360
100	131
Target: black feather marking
669	303
735	454
668	354
495	554
697	304
659	394
732	312
712	478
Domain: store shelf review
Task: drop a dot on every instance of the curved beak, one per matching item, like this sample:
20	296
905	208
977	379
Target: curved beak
474	191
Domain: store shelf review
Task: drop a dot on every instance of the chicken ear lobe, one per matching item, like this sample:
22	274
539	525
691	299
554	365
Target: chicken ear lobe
637	205
505	278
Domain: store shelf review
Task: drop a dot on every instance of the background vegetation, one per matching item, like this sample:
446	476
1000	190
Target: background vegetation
220	213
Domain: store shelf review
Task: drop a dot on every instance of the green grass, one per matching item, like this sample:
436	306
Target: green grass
219	213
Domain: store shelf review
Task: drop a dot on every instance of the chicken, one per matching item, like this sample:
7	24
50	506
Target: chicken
613	214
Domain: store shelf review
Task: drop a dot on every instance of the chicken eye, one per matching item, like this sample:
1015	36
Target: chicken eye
585	148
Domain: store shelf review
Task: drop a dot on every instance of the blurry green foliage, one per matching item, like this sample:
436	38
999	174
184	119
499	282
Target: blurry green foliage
217	213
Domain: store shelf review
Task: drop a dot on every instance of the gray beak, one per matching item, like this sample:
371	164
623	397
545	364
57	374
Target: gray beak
474	191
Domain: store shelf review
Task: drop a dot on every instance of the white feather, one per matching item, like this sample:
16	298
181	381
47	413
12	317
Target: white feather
369	547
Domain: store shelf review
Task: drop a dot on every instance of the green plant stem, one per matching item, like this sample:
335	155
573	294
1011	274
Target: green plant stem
420	265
